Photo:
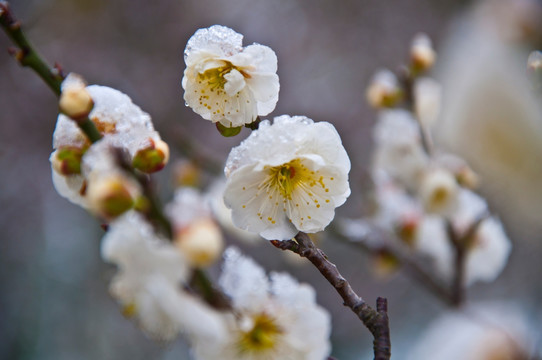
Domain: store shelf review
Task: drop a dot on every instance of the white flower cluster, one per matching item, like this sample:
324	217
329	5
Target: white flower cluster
422	193
268	318
88	174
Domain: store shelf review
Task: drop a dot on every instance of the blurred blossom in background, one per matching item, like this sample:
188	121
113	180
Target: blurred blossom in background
54	301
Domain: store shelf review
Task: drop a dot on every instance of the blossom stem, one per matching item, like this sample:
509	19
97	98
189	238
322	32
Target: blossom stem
27	56
462	244
214	297
375	320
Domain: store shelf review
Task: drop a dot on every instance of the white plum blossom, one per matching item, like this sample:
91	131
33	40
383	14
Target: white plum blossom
484	331
287	177
487	254
226	82
438	191
274	318
148	284
399	151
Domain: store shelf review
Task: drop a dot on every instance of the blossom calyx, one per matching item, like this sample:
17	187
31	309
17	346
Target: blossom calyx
67	160
152	158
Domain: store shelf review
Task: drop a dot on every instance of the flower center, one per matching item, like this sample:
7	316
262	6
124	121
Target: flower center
288	176
263	335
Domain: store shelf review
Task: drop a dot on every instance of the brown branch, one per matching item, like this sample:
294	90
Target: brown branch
462	244
375	320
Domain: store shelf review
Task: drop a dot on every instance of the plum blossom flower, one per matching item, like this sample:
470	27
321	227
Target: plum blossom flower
287	177
148	284
226	82
275	317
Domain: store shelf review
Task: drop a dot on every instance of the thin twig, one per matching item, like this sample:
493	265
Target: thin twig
27	56
375	320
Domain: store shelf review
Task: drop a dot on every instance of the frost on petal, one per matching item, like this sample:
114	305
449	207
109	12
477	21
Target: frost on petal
227	83
243	280
220	39
282	321
287	177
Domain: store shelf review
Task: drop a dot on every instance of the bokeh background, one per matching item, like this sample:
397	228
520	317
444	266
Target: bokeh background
54	302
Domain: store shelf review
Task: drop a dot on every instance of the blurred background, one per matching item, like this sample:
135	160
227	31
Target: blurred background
54	302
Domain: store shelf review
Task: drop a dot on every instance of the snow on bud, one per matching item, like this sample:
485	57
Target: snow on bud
196	234
427	100
438	192
422	54
384	90
152	158
227	83
75	101
111	195
275	317
287	177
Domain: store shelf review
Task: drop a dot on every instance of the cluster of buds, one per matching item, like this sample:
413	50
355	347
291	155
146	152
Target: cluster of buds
90	174
425	196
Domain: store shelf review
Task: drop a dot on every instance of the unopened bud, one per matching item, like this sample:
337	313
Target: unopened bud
67	160
384	90
439	191
407	230
186	174
467	178
152	158
75	100
201	242
385	264
110	196
534	62
422	54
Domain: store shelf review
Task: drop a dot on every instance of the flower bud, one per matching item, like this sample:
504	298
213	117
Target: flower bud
422	54
75	101
152	158
407	229
110	196
467	178
384	90
385	264
439	191
201	242
67	160
186	173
